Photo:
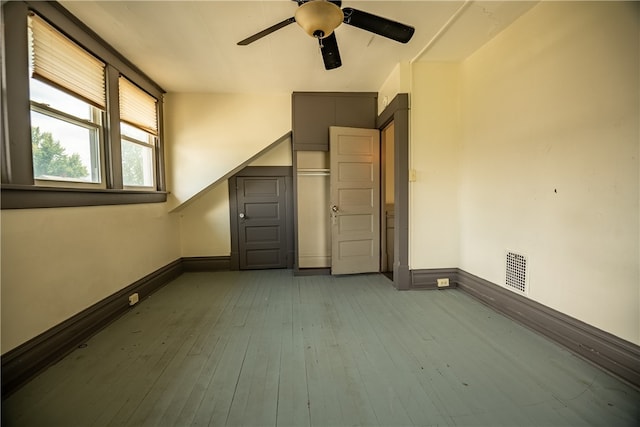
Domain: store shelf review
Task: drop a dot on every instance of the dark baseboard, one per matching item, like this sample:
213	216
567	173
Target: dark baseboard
620	357
311	271
27	360
427	279
206	263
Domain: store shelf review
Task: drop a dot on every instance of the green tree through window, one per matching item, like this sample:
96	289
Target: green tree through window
132	173
50	158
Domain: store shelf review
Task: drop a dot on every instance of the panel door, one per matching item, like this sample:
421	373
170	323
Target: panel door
355	200
261	223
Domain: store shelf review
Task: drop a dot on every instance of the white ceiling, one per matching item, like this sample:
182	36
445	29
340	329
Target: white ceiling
190	46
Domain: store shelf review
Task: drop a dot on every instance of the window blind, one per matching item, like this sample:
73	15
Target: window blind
137	107
59	61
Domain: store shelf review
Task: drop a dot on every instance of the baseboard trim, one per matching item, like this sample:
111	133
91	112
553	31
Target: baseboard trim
29	359
427	279
319	271
206	263
607	351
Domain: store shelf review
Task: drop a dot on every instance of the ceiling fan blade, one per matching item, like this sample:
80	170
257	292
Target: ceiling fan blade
336	2
267	31
382	26
330	52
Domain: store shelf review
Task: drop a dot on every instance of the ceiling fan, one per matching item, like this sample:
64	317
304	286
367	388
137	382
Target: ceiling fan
319	18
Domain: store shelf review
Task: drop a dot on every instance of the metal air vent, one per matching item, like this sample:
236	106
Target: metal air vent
516	274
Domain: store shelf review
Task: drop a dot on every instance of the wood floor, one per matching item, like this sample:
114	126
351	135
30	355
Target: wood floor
264	348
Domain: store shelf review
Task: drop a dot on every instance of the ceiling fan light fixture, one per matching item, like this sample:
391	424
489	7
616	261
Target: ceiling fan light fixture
319	18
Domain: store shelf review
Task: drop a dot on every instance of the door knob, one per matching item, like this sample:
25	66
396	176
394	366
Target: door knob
334	208
242	216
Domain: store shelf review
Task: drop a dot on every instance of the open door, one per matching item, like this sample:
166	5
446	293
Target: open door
355	200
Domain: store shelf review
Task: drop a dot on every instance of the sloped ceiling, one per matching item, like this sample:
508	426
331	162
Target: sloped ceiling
190	46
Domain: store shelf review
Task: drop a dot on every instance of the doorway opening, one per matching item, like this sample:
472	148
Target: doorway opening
313	219
387	214
397	112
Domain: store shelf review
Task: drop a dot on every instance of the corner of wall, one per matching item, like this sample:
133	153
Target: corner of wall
434	160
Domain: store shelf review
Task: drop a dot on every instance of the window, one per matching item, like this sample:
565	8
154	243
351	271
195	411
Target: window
67	97
81	124
139	128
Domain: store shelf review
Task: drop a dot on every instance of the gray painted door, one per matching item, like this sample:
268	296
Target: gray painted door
261	223
355	200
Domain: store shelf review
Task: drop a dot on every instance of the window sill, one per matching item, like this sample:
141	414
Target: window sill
33	197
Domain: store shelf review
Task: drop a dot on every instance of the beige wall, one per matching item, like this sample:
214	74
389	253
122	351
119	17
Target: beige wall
434	155
58	262
549	159
531	145
204	222
399	81
280	155
208	135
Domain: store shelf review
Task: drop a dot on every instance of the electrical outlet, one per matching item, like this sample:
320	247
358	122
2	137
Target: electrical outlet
134	298
443	283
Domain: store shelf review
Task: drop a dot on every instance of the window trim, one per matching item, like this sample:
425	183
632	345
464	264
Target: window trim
19	188
32	197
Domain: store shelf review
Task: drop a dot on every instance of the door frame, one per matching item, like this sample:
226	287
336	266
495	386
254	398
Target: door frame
398	112
261	172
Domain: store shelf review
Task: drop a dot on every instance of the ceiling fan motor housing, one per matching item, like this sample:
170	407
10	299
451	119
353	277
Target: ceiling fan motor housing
319	18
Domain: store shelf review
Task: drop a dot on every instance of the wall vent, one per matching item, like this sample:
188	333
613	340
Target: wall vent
516	274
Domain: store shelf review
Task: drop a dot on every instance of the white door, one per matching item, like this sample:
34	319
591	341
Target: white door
355	200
